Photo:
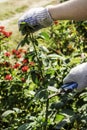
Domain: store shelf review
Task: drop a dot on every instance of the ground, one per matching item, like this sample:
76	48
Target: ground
12	10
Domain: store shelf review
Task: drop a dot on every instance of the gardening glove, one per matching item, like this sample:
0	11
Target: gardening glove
35	19
77	78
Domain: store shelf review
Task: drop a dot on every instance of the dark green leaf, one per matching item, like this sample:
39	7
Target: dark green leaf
24	127
42	94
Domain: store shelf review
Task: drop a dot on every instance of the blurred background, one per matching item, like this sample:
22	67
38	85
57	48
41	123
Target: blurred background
11	11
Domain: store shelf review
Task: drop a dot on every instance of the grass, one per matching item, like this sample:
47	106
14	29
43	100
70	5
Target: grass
9	8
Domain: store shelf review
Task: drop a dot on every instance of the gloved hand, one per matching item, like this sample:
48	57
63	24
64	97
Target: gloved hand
35	19
77	75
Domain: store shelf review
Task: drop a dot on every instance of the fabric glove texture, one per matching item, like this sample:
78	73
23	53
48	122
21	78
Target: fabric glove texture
78	74
35	19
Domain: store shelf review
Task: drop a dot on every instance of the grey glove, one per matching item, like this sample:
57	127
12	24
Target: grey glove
35	19
78	74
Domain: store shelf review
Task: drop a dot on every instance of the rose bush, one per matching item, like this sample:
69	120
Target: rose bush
30	77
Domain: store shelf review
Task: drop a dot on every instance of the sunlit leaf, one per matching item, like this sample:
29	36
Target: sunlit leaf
59	118
44	35
55	56
44	49
61	124
53	89
17	110
8	112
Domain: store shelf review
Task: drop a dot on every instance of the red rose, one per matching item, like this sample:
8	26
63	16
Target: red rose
6	34
25	68
55	22
7	64
8	77
18	56
17	65
23	80
25	61
16	52
7	54
1	28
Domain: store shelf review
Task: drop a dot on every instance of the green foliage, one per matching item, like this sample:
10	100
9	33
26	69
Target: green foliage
31	79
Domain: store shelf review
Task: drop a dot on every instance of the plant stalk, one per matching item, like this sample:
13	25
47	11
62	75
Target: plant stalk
33	43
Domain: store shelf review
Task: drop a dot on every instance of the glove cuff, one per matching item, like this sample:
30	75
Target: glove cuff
44	18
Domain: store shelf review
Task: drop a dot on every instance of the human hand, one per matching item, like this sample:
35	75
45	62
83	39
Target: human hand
77	75
34	19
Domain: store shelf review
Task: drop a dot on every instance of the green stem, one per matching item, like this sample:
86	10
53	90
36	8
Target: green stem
47	102
46	115
33	43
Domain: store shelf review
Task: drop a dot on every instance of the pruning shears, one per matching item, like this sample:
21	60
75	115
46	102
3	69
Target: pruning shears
66	88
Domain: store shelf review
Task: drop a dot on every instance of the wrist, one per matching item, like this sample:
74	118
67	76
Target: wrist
51	11
47	19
